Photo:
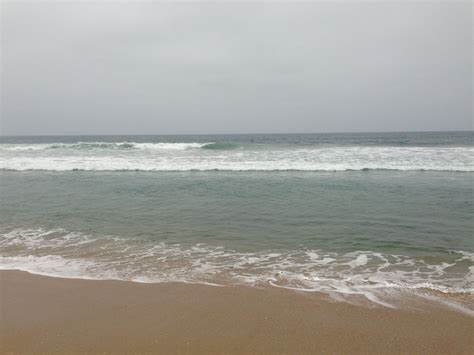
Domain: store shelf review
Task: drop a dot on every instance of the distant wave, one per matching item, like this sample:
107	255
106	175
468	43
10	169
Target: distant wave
103	146
220	146
118	146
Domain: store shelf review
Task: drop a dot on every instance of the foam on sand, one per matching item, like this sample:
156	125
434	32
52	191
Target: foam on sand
362	273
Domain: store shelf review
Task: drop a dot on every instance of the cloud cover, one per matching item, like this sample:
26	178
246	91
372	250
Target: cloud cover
223	67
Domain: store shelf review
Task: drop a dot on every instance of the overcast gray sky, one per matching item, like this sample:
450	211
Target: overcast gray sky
221	67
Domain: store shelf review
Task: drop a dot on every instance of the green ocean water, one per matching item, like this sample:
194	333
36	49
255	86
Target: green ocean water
333	213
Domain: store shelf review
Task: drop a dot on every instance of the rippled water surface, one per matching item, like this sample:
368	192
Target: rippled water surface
348	214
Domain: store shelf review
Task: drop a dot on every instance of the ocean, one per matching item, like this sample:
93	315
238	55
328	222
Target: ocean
368	215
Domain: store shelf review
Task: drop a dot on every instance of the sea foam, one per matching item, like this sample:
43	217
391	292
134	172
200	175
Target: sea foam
366	274
130	156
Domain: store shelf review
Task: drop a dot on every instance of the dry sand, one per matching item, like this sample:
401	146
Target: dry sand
52	315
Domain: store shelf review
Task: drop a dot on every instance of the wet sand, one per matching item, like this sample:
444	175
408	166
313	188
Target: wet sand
52	315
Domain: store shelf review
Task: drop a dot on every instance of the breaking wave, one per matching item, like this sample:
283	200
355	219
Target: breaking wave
220	146
102	146
228	156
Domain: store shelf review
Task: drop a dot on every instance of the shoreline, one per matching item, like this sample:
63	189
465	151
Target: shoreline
424	298
42	314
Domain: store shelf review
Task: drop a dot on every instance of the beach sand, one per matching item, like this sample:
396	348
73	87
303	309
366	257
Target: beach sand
52	315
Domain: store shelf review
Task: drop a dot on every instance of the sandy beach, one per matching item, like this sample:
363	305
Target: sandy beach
236	177
52	315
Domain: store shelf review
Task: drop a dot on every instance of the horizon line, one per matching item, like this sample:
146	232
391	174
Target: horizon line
228	134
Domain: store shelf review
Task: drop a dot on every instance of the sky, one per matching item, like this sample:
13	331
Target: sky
143	67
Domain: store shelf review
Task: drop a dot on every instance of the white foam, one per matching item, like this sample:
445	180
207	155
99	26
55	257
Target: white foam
99	146
363	273
53	266
186	157
359	261
172	146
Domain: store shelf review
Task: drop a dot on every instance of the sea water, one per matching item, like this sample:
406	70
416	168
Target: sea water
343	214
